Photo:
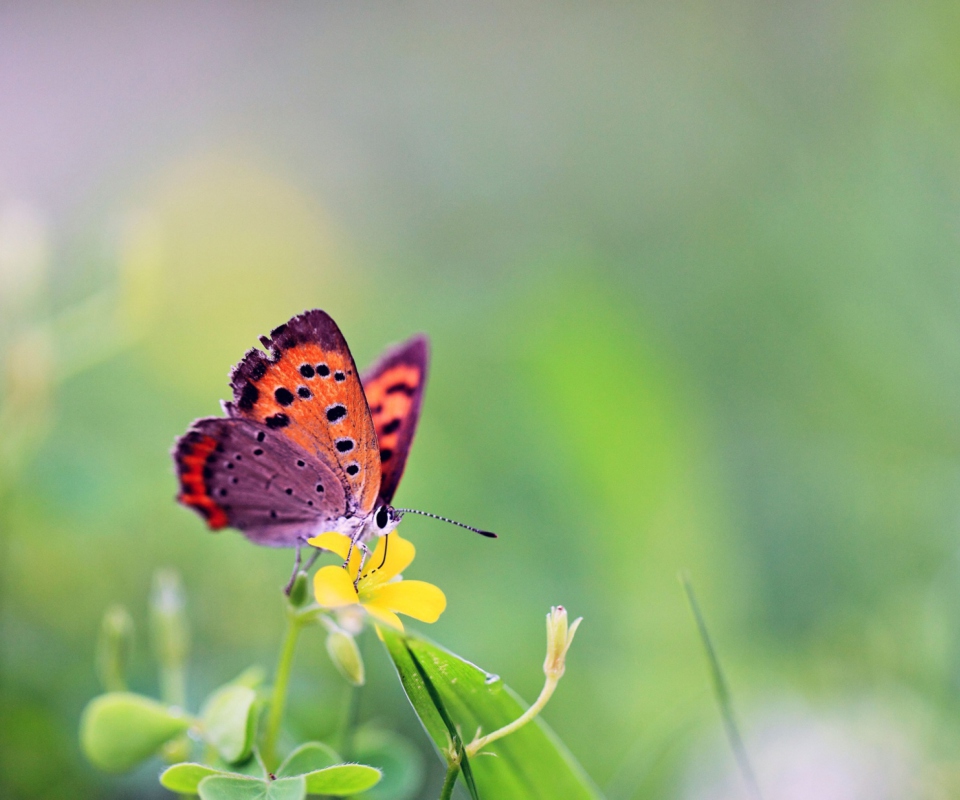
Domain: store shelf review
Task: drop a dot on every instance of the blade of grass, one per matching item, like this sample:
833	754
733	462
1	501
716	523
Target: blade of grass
722	692
451	728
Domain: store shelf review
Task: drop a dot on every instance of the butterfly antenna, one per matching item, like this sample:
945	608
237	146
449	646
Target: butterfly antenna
488	534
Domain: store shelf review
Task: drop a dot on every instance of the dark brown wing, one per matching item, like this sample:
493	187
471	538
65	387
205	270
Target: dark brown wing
394	388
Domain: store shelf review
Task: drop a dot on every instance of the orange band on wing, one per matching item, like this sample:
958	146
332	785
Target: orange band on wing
390	399
192	461
394	389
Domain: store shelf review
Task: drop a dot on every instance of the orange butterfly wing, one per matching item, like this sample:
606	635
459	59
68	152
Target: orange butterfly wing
308	389
394	389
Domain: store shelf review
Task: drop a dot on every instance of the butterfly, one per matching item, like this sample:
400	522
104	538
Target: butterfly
308	444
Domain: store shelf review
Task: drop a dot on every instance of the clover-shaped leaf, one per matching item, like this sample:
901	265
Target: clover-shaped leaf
229	720
324	774
306	758
185	778
121	729
233	787
342	780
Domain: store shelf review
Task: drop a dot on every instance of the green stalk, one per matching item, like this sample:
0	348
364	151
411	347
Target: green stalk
545	694
281	684
349	721
722	692
450	781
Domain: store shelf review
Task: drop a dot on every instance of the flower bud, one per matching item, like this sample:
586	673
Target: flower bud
346	656
559	638
170	633
114	647
299	590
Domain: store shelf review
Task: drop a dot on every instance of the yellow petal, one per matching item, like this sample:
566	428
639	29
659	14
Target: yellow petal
333	588
385	616
399	554
339	544
417	599
335	542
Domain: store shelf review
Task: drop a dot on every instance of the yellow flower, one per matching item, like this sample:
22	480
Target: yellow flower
377	592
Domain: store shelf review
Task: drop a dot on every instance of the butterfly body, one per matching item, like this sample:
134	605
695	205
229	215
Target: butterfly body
300	450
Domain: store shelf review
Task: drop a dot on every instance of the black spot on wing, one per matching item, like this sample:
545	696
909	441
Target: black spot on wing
277	421
248	397
391	426
336	412
401	387
284	396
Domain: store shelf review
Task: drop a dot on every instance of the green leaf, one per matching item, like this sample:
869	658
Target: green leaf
398	760
453	733
228	721
342	780
121	729
251	677
324	773
228	787
532	763
185	778
306	758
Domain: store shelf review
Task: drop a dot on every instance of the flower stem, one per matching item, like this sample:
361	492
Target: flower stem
548	687
281	683
453	769
349	720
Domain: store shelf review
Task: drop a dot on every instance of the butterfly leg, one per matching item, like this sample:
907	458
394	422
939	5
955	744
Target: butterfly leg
364	552
354	542
313	559
296	568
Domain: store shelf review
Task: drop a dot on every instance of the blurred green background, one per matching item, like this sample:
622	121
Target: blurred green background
690	272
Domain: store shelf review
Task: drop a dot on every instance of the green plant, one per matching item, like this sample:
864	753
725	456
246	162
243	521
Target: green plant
230	749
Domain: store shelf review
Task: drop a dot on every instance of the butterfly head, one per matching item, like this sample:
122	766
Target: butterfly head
385	520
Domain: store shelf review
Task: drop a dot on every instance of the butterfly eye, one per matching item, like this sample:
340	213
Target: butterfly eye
382	517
